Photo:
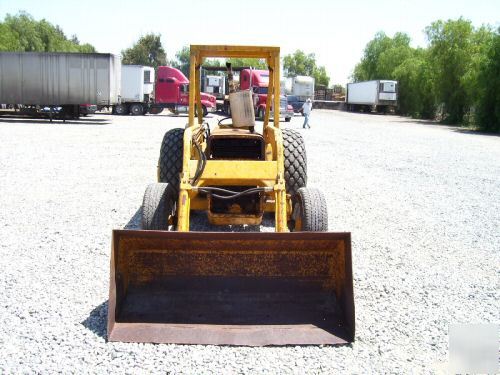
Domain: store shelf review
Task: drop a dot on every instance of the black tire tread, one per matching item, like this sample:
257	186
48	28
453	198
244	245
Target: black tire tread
295	161
170	162
314	210
157	204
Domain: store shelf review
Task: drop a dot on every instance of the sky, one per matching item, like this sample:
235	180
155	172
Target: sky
335	31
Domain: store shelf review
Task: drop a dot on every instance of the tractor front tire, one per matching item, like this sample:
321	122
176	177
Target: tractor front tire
295	161
309	211
157	206
171	154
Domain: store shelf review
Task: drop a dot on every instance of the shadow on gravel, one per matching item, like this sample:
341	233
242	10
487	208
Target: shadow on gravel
81	121
135	221
97	319
419	121
475	132
199	222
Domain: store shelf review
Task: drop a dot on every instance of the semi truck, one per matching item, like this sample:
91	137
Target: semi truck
377	95
172	93
62	81
258	81
170	90
137	90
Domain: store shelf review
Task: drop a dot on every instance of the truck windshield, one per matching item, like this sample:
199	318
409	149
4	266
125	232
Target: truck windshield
185	88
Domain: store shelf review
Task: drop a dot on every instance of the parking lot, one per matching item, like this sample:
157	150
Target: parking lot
422	202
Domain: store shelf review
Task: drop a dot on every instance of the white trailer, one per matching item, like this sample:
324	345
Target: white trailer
215	85
303	87
137	90
63	80
378	95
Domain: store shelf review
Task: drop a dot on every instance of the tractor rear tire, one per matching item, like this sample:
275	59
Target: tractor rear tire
295	161
171	154
309	211
157	206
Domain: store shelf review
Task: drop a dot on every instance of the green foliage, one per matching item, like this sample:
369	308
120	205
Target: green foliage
450	53
254	63
300	64
23	33
453	73
416	90
488	104
181	61
148	51
382	55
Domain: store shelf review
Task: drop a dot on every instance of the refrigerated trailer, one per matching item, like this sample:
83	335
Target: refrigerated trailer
65	80
378	95
137	90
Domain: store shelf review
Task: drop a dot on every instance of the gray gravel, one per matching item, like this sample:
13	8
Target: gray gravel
422	202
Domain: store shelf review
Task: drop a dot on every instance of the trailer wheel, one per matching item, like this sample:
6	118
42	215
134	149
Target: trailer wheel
170	163
136	110
121	109
295	161
158	206
309	212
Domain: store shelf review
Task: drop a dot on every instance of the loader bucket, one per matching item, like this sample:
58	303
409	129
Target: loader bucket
231	288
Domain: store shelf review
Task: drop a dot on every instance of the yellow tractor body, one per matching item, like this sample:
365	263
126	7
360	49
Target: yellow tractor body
171	285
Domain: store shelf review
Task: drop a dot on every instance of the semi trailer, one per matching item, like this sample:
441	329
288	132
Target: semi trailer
38	80
378	95
298	89
137	90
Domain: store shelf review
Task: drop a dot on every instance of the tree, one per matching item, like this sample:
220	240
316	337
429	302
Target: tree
182	57
488	104
254	63
457	72
299	63
148	50
451	53
416	86
381	56
182	60
23	33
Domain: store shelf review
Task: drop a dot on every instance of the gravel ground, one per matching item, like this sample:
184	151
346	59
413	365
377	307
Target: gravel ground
422	202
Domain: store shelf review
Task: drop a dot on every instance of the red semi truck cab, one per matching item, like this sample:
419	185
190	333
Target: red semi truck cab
172	92
258	82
